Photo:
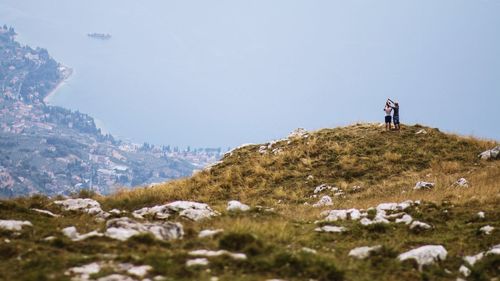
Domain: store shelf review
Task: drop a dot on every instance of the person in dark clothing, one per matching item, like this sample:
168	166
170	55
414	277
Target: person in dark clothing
395	118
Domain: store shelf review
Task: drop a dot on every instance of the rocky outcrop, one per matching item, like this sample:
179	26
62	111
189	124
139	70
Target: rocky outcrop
124	228
84	205
191	210
73	234
323	202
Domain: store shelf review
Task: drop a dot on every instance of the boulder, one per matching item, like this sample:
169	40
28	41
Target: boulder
192	210
298	133
85	205
14	225
237	206
84	272
322	188
116	277
425	255
421	185
364	252
472	260
124	228
491	154
465	271
481	215
139	271
324	201
421	132
331	229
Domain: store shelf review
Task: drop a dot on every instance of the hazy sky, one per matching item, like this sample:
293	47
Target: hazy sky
222	73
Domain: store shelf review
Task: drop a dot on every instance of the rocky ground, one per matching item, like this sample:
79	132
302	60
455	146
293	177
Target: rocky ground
318	216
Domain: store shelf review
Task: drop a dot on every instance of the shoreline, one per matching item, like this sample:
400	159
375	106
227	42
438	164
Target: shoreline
66	74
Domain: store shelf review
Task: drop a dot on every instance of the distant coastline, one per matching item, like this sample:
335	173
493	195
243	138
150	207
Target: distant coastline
66	73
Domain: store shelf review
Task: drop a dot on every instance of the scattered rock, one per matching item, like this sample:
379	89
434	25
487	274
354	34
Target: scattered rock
298	133
417	225
356	189
197	262
73	234
461	183
487	230
406	219
116	212
124	228
84	272
85	205
45	212
324	201
424	185
116	277
490	154
376	220
331	229
395	206
14	225
140	271
322	188
465	271
309	250
209	233
237	206
421	132
208	254
364	252
310	177
480	215
192	210
425	255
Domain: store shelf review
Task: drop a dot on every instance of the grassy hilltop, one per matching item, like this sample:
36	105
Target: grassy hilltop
278	180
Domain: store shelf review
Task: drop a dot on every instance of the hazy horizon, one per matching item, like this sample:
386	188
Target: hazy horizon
223	73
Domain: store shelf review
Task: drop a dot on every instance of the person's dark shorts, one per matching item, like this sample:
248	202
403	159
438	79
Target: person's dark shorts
388	119
396	120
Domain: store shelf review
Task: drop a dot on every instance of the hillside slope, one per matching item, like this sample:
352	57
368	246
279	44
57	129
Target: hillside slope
369	175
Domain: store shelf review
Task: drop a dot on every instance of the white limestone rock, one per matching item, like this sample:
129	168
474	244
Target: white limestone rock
487	230
462	183
124	228
209	233
116	277
84	272
490	154
234	205
425	255
197	262
379	219
85	205
208	254
465	271
192	210
14	225
298	133
421	132
422	185
406	219
323	202
309	250
73	234
417	225
331	229
336	215
140	271
45	212
480	215
364	252
322	188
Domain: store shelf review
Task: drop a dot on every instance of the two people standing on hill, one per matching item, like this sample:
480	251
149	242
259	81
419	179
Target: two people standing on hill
390	107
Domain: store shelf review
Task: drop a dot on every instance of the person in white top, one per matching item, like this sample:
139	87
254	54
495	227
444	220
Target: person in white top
388	117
